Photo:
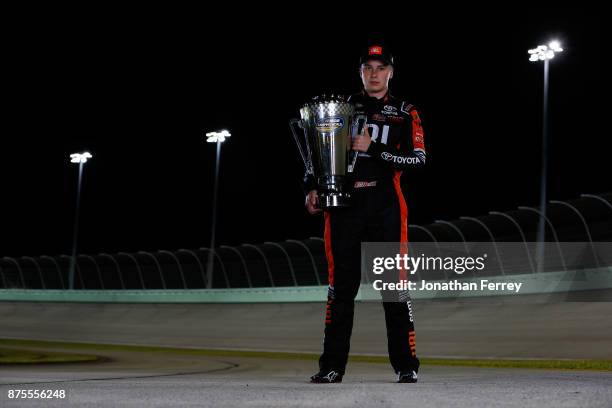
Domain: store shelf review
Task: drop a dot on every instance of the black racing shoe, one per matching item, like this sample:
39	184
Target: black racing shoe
407	376
327	377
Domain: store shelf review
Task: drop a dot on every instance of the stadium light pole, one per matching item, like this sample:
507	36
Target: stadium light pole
544	53
80	159
218	138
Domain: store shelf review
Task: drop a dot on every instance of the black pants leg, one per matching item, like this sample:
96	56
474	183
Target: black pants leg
344	231
388	222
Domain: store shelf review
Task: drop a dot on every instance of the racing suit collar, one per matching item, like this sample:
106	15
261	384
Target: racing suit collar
384	99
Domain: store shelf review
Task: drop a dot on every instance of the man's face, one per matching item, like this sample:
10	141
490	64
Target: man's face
375	75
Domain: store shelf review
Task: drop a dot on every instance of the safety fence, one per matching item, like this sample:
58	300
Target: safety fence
289	263
303	262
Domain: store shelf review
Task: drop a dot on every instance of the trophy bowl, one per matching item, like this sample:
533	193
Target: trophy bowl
328	124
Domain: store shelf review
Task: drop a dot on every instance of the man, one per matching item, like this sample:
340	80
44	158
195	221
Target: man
392	142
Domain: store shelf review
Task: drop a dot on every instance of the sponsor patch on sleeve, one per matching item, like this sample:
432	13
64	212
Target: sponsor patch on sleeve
406	107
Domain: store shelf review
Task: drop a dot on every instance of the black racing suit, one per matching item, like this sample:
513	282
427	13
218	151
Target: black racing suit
377	213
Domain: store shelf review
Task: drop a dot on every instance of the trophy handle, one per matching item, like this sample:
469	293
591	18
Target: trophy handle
304	152
357	130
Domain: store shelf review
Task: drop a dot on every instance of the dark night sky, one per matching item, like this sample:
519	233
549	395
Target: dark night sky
138	91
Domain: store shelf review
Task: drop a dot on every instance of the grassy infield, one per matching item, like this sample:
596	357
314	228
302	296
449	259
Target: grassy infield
24	356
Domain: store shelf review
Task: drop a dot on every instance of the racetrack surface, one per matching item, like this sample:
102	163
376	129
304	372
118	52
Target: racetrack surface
512	328
135	379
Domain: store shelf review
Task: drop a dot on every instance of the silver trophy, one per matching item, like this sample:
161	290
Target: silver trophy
328	124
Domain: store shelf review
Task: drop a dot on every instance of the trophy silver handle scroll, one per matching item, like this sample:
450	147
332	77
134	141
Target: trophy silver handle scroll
305	151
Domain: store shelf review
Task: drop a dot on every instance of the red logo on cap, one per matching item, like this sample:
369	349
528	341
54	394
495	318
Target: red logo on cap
375	50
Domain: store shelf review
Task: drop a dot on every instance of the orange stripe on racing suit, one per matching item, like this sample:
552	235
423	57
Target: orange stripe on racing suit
330	266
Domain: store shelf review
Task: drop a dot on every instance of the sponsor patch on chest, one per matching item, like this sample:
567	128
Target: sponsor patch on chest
389	110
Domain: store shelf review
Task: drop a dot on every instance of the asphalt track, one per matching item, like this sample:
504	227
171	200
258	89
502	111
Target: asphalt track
154	380
512	328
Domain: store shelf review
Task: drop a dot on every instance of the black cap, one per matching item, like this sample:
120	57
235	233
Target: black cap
377	52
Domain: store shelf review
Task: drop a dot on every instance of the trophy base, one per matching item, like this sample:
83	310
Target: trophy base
334	200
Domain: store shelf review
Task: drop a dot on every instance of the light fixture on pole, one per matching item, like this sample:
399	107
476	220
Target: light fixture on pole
214	137
80	159
544	53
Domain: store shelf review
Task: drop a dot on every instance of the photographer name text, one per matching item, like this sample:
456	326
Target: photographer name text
452	285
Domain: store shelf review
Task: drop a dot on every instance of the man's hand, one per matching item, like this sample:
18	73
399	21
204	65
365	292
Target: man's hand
312	202
361	143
